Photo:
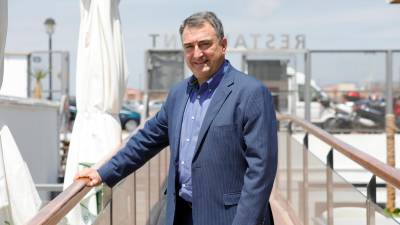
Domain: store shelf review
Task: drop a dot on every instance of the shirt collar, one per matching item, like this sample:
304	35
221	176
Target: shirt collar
214	80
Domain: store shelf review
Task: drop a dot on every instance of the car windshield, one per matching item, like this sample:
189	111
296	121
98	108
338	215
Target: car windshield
126	107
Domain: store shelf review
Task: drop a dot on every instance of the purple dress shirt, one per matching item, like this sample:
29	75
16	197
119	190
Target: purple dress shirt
196	108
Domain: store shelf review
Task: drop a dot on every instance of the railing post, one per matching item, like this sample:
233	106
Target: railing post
111	211
305	179
289	162
371	201
329	187
307	87
107	200
159	176
148	191
390	127
134	199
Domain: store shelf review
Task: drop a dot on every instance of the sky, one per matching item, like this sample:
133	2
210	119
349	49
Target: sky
339	24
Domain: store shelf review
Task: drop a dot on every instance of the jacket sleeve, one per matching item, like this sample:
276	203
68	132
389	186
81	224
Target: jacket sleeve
140	148
260	137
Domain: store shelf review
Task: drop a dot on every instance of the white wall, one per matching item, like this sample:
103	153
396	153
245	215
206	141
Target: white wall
34	125
15	78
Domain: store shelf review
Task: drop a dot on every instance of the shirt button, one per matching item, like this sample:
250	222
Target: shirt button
183	162
192	117
187	139
183	185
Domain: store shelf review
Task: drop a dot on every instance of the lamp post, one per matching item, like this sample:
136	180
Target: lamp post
50	25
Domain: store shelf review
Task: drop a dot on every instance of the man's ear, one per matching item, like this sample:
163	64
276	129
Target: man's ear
224	43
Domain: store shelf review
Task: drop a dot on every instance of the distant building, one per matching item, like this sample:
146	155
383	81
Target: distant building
337	91
133	94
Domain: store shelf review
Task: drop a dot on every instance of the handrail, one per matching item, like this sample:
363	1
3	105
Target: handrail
57	208
380	169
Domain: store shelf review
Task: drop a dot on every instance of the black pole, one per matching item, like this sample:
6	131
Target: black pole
50	70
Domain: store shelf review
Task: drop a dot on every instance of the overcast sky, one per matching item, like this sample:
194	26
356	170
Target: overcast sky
339	24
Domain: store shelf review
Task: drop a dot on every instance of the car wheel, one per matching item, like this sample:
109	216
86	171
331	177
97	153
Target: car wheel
131	125
330	124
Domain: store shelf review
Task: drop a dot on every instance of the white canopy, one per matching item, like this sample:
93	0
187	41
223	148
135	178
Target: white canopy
100	86
3	33
19	199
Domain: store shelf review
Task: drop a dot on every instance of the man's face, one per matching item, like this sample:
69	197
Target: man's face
204	52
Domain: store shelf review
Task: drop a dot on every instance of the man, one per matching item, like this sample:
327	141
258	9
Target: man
221	128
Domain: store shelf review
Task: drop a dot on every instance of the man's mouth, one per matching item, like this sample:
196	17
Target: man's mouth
200	63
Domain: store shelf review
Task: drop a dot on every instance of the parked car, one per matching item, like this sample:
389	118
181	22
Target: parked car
155	104
129	119
135	105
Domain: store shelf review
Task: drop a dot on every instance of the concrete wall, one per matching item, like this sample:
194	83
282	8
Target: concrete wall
34	125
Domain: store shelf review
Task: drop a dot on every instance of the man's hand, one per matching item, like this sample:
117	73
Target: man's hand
91	174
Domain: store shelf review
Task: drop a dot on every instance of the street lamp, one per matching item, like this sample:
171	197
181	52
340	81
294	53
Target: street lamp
50	25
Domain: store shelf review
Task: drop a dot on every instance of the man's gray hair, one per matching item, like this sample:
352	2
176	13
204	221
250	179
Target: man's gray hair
198	19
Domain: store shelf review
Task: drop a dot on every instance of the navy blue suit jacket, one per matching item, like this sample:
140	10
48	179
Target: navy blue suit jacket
235	160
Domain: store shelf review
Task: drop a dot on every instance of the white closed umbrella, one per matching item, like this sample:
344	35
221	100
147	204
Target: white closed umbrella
3	34
19	199
100	86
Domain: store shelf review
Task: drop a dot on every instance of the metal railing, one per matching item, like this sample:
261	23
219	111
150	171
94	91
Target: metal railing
315	189
136	195
133	199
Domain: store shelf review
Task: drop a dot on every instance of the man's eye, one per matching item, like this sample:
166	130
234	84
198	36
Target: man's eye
204	45
188	47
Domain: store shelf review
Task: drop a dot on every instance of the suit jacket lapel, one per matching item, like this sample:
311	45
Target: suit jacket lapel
180	105
220	95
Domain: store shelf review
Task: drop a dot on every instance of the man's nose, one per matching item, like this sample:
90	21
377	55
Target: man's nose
197	52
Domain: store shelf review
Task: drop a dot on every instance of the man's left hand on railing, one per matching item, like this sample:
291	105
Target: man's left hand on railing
93	177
